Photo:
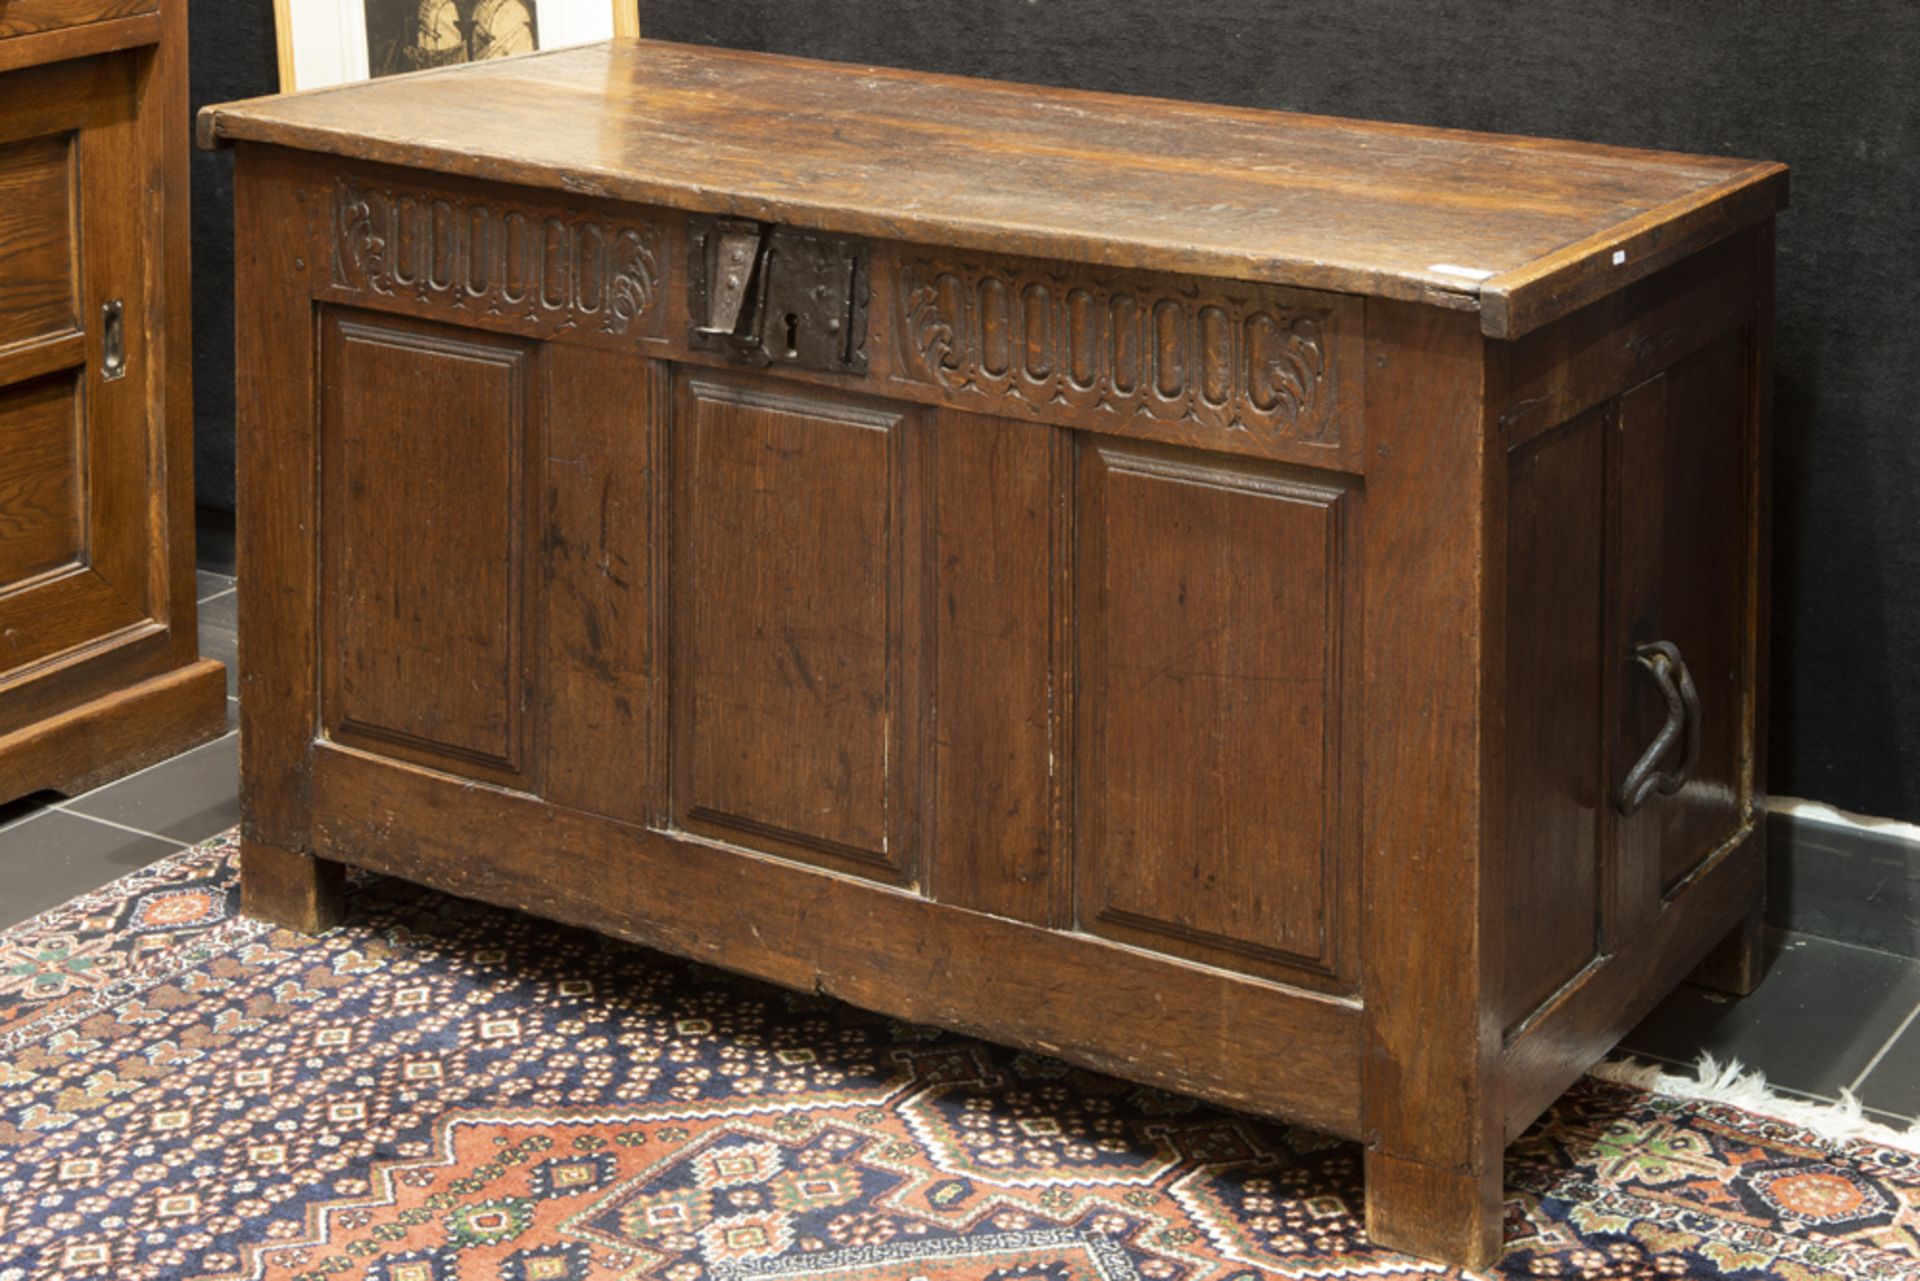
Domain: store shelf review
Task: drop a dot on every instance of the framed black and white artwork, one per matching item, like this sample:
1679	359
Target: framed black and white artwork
329	42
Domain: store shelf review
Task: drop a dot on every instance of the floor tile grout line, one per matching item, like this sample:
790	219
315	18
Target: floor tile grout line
1881	1053
1790	1090
137	831
62	805
25	819
1773	1085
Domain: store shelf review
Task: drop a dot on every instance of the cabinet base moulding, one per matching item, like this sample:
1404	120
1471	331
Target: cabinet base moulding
114	736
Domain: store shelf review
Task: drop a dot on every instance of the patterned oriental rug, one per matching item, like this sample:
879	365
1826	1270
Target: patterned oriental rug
445	1092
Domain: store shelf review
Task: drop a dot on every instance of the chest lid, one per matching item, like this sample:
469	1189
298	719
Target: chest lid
1521	229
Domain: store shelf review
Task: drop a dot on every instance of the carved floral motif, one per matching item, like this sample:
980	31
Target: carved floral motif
541	267
1235	359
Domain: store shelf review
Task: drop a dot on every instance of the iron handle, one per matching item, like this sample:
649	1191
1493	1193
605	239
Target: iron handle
1669	671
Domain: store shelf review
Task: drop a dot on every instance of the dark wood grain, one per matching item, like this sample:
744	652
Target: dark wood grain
1192	651
1149	657
1683	461
1085	177
292	889
1552	683
1694	505
1739	963
796	583
99	659
164	157
998	680
276	518
1431	920
427	432
1258	370
606	421
1251	1045
65	350
1587	359
1585	1020
1273	373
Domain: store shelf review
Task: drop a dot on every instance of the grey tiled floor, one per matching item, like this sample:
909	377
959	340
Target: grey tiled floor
52	849
1830	1016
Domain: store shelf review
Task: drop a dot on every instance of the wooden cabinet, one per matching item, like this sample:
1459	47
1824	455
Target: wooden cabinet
1260	605
99	671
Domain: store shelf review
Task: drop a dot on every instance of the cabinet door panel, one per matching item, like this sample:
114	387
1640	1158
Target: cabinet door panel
78	576
795	571
1209	619
39	268
1684	580
41	502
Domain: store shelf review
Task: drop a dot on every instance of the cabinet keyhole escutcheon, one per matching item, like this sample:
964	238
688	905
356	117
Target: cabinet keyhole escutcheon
113	341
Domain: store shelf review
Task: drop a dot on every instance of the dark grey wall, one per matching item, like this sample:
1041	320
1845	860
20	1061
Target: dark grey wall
231	55
1826	87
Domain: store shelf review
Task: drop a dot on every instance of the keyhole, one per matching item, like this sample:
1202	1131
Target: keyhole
793	334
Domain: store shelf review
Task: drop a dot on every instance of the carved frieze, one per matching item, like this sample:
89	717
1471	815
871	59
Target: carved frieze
547	270
1211	360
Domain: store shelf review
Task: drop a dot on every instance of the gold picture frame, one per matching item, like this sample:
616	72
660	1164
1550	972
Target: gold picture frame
328	42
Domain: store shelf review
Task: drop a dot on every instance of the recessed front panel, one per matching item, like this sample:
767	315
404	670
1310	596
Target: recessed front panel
790	598
1209	624
40	495
39	245
422	431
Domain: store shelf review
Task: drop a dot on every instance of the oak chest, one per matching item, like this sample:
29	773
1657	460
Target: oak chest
1264	605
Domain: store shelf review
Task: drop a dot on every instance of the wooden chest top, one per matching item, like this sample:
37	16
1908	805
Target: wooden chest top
1522	229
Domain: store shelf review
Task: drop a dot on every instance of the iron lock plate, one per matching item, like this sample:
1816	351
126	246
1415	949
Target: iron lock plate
772	295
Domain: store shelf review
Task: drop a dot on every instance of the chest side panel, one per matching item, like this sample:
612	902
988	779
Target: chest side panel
1630	532
1683	448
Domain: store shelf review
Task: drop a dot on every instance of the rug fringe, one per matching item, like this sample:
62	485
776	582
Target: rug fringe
1737	1086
